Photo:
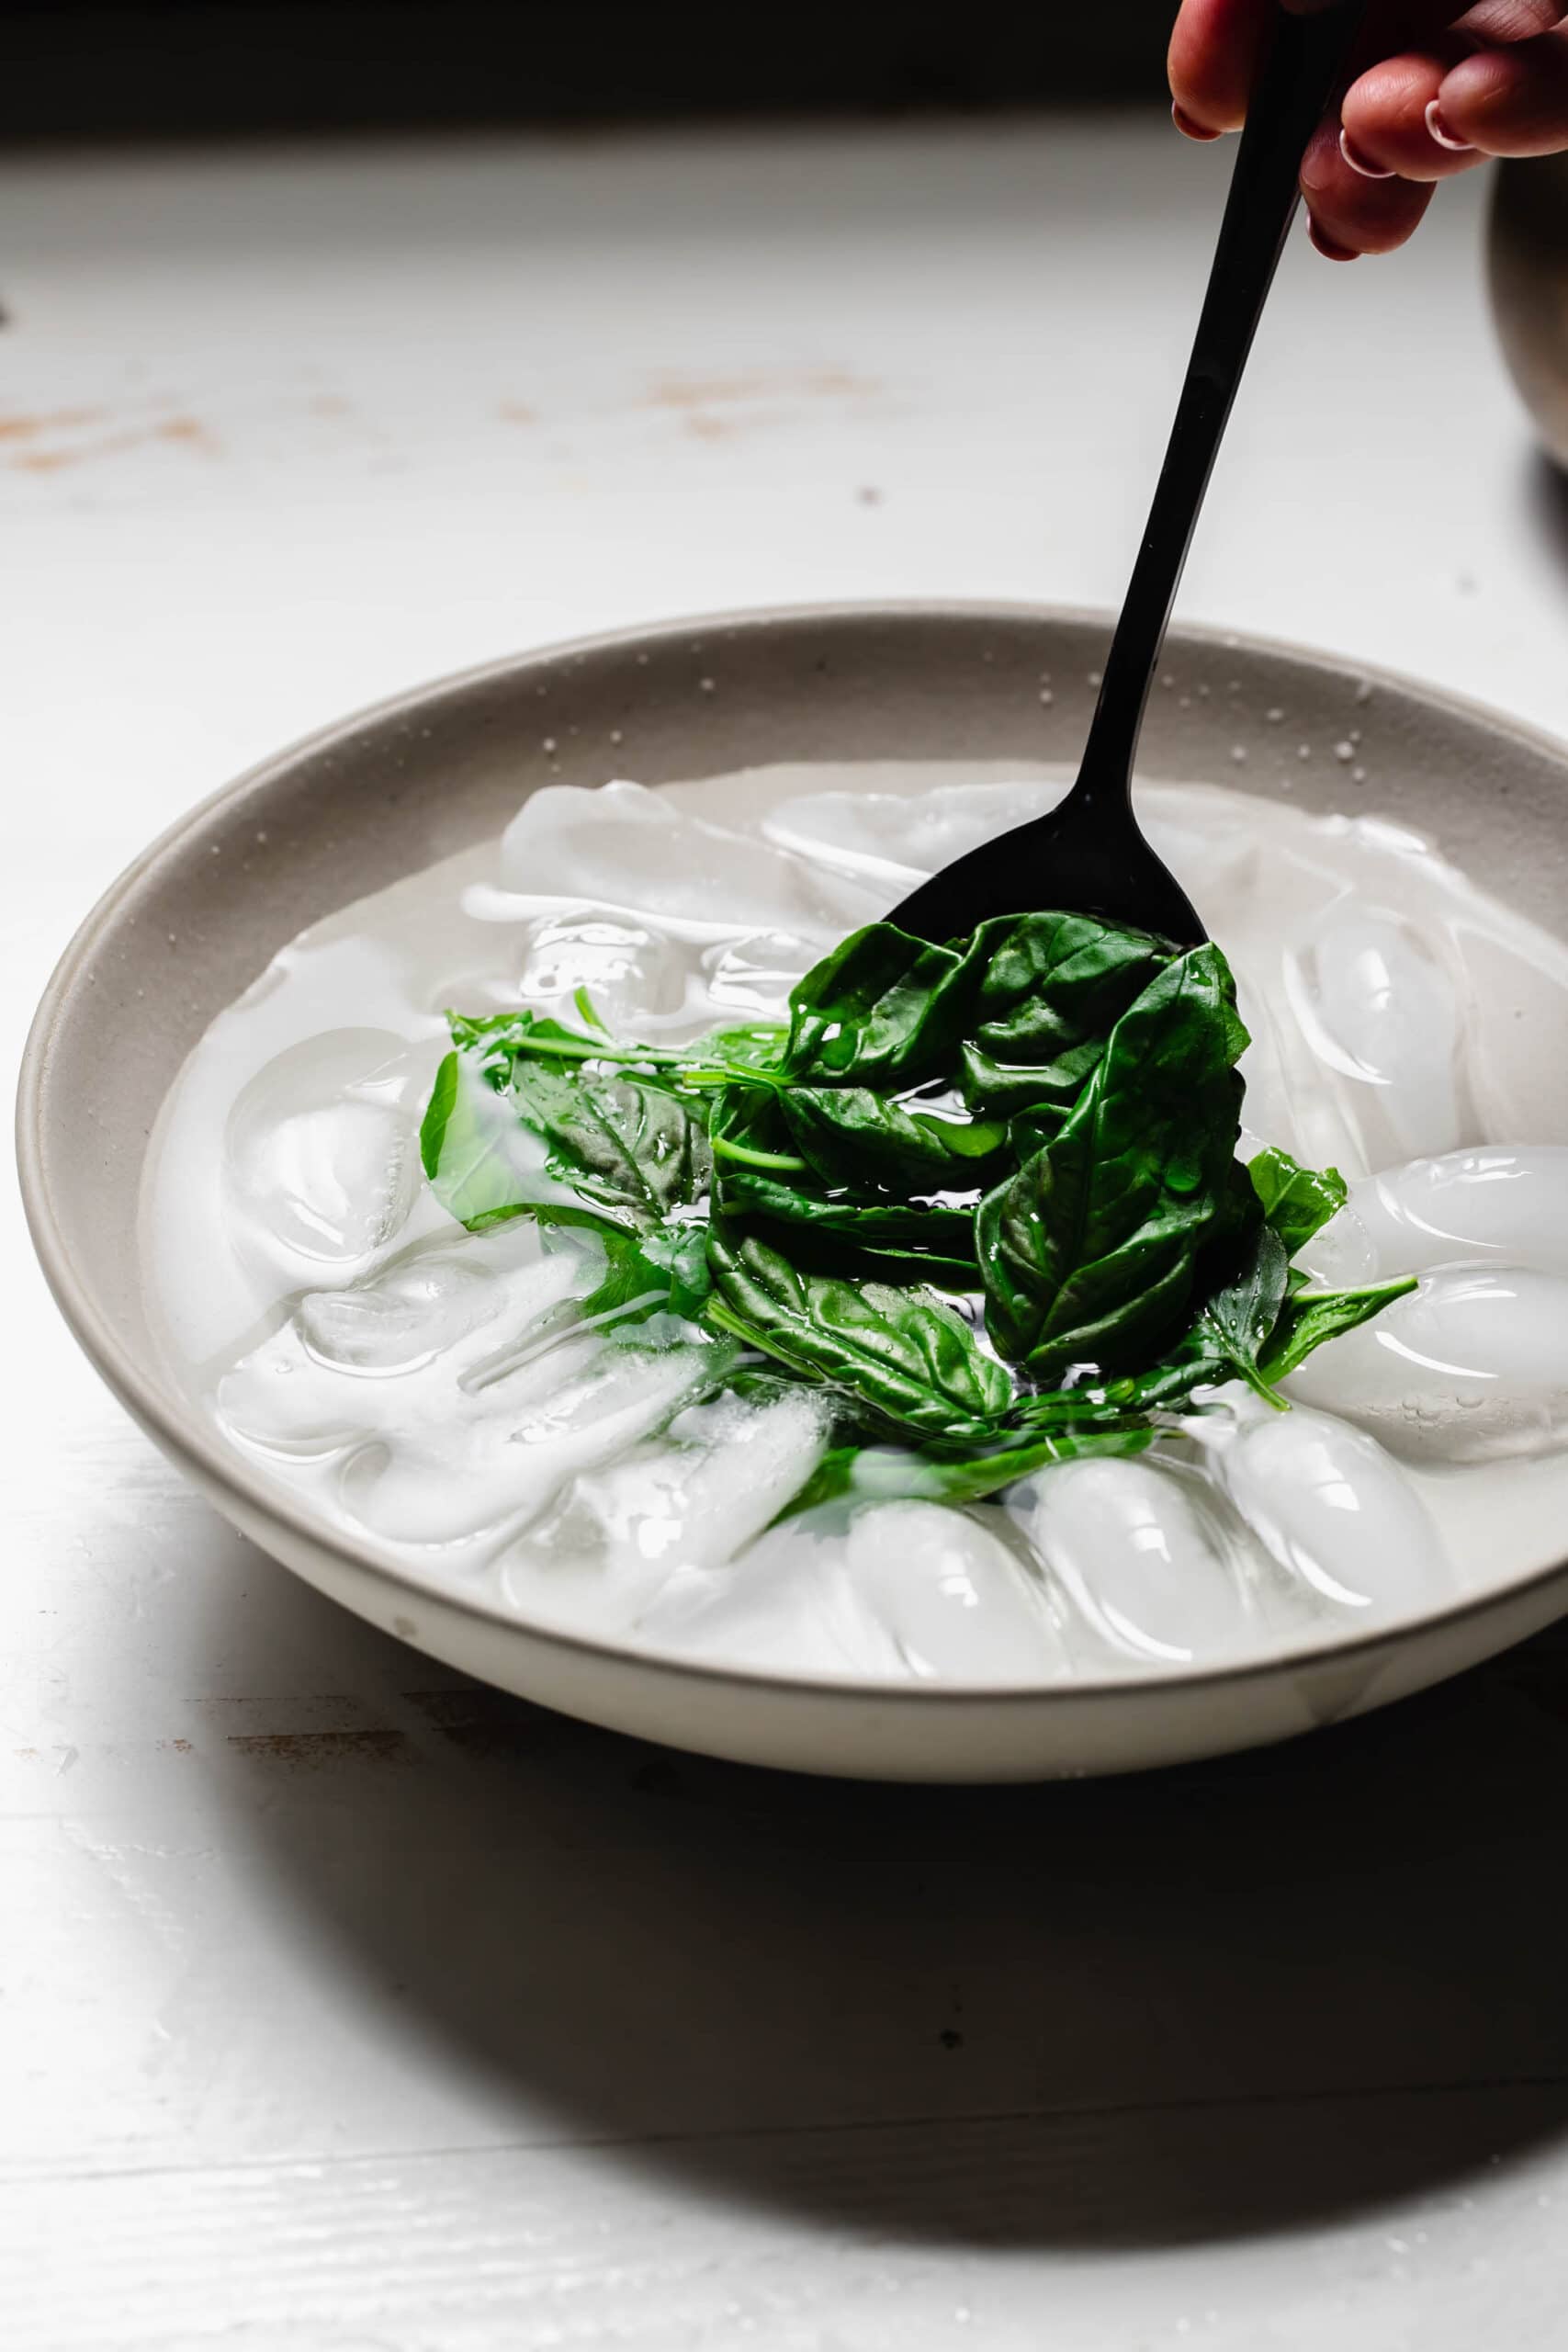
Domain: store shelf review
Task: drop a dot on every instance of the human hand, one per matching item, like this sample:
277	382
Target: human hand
1439	92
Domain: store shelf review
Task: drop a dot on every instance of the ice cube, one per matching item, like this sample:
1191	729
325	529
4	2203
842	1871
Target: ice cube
628	970
891	840
786	1606
959	1604
1144	1559
618	1535
321	1149
502	1451
401	1348
426	1300
1472	1365
1507	1201
627	849
1207	852
1341	1255
1330	1506
756	974
1271	1098
1384	1011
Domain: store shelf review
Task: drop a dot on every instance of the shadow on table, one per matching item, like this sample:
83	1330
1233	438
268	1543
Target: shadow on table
1234	1997
1546	501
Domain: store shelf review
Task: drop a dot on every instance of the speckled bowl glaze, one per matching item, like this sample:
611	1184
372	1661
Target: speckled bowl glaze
386	793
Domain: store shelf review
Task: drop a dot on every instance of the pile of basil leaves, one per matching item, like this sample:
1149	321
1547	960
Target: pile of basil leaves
985	1195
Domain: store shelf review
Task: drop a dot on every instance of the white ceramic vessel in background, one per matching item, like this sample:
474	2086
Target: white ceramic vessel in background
200	915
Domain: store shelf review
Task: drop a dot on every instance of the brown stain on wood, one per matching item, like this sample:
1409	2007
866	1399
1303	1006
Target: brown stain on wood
678	391
720	408
312	1749
42	455
59	419
482	1723
188	432
704	427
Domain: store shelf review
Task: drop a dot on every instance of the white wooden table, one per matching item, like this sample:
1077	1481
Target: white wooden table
347	2008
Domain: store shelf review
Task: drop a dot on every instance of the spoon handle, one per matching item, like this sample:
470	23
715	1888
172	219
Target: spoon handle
1308	54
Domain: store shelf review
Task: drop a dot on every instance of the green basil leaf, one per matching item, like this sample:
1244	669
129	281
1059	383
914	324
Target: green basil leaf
480	1169
1049	983
908	1360
1297	1202
1310	1316
882	1474
847	1134
889	1226
1049	989
664	1271
1090	1248
755	1176
1240	1319
624	1144
996	1089
882	1009
499	1040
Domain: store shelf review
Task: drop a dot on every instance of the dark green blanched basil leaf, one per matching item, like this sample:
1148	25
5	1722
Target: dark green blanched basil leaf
899	1238
908	1360
1309	1316
1045	983
882	1009
900	1228
1049	989
994	1089
890	1011
1297	1202
847	1134
1238	1320
1089	1249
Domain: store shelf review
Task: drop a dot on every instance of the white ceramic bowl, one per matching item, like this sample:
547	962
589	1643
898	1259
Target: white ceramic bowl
389	792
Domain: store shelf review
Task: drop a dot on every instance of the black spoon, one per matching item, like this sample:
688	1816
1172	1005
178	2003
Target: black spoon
1088	854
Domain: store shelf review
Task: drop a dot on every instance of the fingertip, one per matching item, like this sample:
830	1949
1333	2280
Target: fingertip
1320	160
1439	128
1362	166
1385	116
1189	127
1213	57
1328	246
1506	101
1351	215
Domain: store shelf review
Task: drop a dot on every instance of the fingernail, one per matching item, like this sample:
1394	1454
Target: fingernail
1443	135
1359	163
1189	127
1326	246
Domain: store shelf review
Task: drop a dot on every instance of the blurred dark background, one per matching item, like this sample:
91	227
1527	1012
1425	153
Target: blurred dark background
91	69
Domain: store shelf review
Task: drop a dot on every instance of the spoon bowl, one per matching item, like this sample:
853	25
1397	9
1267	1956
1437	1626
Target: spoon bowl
1085	855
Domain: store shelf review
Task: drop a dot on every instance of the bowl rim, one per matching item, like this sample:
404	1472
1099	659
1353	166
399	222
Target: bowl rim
186	1438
